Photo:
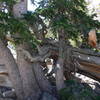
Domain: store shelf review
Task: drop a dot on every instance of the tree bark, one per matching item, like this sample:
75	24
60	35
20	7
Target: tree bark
59	74
31	88
60	63
87	62
41	79
13	71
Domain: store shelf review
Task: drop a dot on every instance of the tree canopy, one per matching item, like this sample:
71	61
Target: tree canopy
48	18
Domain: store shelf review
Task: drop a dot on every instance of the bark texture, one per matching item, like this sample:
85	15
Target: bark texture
13	70
60	63
31	88
41	79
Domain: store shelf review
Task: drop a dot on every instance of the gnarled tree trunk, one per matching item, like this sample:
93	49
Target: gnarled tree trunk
13	70
31	88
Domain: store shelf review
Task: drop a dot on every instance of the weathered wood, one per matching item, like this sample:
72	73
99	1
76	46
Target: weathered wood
88	75
12	69
87	58
42	81
86	52
90	70
88	62
60	62
28	77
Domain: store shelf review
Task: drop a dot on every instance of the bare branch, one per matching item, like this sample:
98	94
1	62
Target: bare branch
32	59
86	52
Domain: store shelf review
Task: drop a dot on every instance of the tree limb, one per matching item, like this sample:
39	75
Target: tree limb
86	52
32	59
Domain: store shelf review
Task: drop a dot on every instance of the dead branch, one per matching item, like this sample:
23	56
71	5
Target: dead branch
86	52
87	61
32	59
89	69
87	58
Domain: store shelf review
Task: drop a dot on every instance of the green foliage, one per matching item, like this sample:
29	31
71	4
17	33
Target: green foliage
3	23
72	15
31	18
5	16
17	27
13	26
9	2
77	91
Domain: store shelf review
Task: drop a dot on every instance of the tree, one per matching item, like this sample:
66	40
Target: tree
44	33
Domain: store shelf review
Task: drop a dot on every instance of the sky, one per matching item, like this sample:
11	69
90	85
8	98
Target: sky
31	7
93	4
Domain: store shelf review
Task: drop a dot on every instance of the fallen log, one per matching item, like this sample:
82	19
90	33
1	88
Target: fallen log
87	63
90	70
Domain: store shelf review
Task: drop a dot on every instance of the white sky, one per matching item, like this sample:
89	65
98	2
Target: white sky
93	4
95	7
32	7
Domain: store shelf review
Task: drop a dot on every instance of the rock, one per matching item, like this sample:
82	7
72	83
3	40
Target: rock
9	94
47	96
4	89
